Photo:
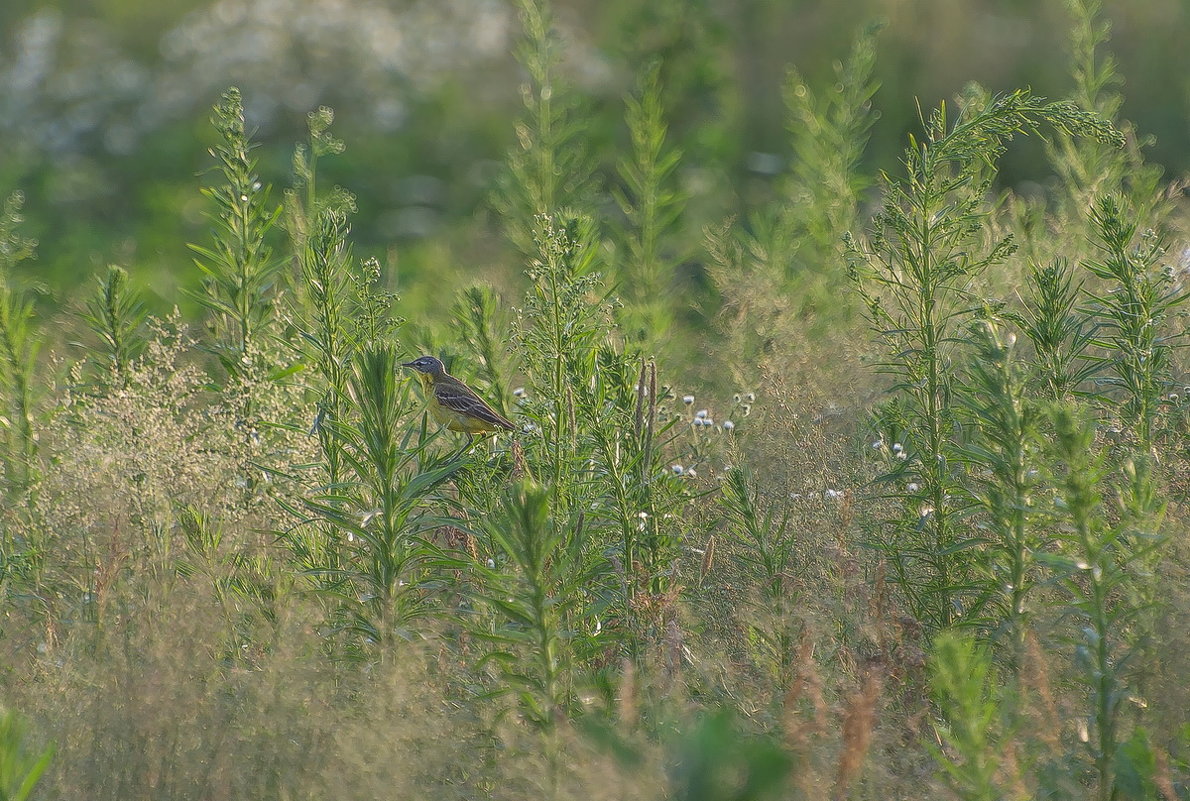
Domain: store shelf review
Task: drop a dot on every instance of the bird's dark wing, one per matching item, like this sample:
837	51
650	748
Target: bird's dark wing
458	397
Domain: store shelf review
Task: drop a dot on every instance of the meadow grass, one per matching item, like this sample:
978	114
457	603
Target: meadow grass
916	534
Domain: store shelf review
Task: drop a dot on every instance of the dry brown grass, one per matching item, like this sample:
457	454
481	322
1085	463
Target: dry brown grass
166	701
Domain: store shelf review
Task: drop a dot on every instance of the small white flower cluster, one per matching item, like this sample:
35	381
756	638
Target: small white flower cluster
702	419
897	450
826	495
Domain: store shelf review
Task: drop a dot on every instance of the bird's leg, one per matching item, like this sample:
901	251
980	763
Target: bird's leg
474	441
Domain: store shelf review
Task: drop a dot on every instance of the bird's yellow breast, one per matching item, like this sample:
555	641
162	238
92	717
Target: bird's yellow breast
457	422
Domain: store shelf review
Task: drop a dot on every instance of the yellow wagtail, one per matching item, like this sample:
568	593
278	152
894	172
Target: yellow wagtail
453	403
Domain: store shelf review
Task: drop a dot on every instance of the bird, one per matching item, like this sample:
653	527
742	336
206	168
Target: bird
454	404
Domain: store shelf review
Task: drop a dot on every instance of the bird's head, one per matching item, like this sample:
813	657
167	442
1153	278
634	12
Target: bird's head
427	365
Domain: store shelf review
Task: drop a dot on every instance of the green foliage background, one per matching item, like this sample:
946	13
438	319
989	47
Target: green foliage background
101	105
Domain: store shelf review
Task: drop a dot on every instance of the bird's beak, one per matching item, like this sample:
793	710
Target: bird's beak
407	364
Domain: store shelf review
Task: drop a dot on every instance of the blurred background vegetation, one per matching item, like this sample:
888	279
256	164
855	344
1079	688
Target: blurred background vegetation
103	104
